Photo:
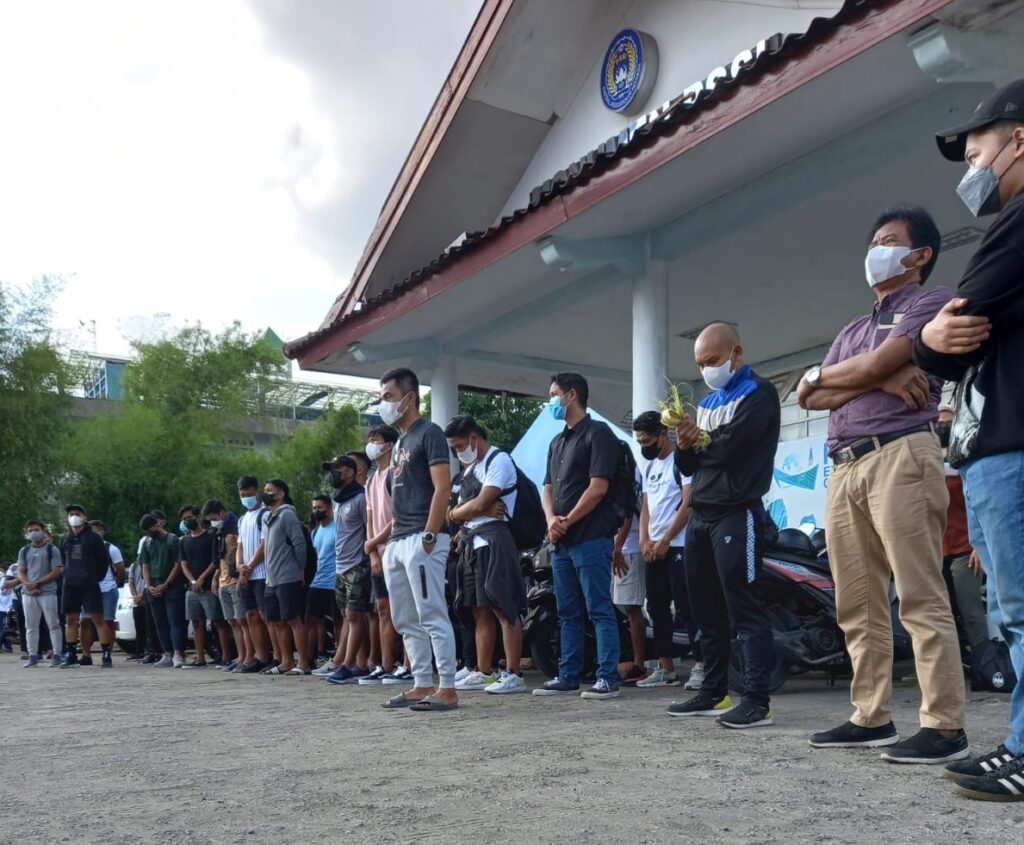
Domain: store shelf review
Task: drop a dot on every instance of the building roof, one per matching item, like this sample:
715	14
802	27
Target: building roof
779	49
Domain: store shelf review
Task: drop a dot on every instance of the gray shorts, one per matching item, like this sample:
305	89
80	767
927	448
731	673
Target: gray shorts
631	588
202	605
230	603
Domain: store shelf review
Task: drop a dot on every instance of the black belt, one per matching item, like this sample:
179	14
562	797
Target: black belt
865	447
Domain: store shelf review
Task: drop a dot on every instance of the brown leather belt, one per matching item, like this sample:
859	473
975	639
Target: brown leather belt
870	444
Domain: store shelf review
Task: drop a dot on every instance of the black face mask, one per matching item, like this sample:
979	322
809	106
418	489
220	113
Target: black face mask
336	481
650	452
943	430
319	516
269	499
192	523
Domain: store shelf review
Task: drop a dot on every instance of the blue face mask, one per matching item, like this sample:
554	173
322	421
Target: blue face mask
248	502
979	189
181	527
556	409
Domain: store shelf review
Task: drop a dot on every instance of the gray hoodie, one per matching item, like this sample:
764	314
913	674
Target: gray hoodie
284	546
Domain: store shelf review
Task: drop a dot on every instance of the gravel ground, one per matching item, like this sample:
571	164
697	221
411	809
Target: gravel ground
141	755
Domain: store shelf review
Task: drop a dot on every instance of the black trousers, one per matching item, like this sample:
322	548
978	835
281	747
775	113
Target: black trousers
140	614
723	564
666	586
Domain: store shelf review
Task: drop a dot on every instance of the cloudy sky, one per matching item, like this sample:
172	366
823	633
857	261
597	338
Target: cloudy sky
207	160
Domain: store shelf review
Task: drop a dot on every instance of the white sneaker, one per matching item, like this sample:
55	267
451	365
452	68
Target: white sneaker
329	668
178	662
462	674
475	681
508	683
163	663
659	678
401	675
696	677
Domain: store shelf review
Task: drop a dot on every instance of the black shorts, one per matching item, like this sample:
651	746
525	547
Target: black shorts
320	603
284	602
379	587
252	595
86	597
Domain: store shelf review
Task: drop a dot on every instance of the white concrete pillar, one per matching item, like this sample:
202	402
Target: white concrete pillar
444	391
650	336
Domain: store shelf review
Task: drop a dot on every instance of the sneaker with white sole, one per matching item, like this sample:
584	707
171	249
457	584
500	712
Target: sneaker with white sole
600	691
696	677
178	662
164	663
463	673
659	678
374	678
747	715
401	675
476	681
508	683
556	686
328	668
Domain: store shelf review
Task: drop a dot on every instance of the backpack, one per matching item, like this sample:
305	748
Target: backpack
527	523
991	669
623	490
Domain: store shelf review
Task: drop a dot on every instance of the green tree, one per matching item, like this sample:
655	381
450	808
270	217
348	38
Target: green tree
505	417
34	382
170	443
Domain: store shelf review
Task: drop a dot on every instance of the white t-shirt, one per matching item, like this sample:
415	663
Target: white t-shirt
500	473
7	596
631	546
663	498
109	582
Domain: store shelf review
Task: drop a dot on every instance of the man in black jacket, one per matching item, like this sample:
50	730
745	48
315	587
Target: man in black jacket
977	340
86	561
730	452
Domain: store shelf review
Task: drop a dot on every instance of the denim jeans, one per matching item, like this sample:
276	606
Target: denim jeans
994	490
583	578
169	616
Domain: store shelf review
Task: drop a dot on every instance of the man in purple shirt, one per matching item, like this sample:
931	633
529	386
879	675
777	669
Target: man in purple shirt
887	499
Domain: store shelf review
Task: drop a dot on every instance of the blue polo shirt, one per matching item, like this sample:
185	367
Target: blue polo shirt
323	542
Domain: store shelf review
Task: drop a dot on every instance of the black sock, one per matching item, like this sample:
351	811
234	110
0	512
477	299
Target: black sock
72	647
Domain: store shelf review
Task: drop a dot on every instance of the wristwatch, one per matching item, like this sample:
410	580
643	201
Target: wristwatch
429	537
813	376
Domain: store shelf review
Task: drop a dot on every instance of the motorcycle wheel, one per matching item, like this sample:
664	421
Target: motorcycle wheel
777	676
545	645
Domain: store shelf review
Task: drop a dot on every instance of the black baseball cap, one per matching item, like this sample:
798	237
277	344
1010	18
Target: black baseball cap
70	508
339	462
1006	104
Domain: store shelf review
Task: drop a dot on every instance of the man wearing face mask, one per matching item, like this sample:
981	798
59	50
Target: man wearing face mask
224	525
320	602
978	341
881	439
414	561
200	562
252	577
582	461
39	567
165	589
729	452
86	561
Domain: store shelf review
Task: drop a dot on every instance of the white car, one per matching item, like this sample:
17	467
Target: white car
124	620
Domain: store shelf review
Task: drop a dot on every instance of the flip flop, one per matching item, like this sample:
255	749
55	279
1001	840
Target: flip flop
273	670
430	704
296	671
398	702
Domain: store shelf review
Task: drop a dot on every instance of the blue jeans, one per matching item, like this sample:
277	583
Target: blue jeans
169	616
583	580
994	490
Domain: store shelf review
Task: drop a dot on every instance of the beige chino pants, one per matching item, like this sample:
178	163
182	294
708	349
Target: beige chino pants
886	516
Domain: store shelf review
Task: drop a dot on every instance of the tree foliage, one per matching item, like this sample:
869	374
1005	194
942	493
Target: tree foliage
34	382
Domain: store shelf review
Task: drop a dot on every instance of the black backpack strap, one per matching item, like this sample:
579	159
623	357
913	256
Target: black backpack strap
507	490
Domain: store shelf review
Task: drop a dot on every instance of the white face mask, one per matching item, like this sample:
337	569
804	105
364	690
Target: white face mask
718	377
374	451
885	262
389	411
216	523
467	456
76	521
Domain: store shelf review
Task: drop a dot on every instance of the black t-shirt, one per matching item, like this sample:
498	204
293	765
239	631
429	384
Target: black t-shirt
200	552
86	558
587	450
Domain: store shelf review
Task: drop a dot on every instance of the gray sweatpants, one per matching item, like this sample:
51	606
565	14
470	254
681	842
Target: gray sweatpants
419	612
42	606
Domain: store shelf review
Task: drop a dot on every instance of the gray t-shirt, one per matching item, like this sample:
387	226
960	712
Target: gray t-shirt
412	489
39	562
350	532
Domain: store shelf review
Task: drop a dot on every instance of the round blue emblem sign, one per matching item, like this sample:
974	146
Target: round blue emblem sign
628	72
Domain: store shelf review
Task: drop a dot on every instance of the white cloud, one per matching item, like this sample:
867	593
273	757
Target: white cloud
214	161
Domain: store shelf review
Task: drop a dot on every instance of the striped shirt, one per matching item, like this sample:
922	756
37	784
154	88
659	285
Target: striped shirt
250	533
